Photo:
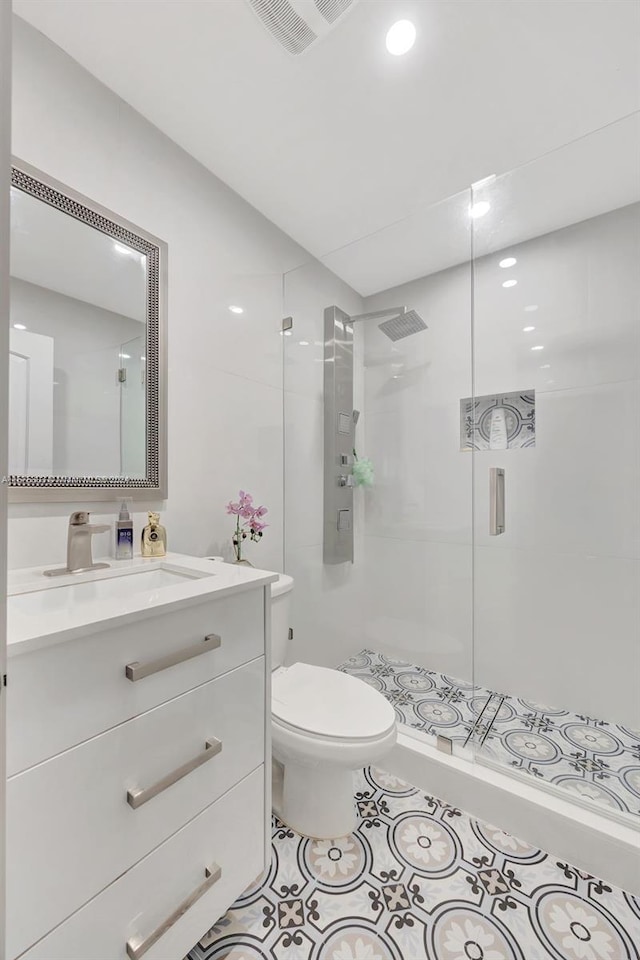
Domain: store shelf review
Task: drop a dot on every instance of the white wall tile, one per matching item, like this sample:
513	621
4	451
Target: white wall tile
327	607
303	469
559	629
419	603
586	286
423	482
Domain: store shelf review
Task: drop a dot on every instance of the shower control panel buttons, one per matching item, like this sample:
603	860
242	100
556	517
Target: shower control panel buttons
344	520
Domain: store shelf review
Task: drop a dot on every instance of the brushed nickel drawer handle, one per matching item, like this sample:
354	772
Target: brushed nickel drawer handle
135	798
137	947
137	671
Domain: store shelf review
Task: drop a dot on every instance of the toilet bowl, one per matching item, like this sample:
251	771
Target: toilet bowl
325	725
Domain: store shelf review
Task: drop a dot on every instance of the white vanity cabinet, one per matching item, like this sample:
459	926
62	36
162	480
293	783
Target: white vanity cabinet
138	798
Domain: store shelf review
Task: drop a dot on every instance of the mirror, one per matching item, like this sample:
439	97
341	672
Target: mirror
87	356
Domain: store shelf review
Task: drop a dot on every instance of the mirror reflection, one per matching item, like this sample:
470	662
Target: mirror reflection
77	347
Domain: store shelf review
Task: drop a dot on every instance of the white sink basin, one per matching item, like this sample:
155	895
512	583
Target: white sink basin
46	610
146	584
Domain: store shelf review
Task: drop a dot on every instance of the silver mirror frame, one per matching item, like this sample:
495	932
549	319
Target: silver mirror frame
154	485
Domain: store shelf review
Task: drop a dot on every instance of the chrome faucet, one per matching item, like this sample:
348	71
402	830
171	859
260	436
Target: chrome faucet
79	558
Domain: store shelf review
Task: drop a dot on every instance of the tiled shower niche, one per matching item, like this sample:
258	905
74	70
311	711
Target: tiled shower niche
520	414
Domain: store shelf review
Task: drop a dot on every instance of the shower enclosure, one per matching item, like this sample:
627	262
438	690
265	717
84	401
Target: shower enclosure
493	596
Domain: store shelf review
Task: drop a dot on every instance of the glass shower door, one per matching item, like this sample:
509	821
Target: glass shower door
399	616
555	431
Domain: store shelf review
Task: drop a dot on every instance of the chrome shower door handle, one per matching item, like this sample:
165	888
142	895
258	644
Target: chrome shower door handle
138	946
496	501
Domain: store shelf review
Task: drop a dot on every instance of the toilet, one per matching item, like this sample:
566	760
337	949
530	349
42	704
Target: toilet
325	725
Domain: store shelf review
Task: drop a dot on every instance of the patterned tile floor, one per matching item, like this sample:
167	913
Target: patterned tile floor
420	880
597	760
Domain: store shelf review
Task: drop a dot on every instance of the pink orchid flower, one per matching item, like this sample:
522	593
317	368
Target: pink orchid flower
248	521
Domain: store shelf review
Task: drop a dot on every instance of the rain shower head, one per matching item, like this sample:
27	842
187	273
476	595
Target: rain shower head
401	323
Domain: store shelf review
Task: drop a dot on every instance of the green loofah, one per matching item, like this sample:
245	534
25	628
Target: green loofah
363	473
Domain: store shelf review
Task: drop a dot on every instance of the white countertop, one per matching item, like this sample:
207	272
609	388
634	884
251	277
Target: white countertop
203	580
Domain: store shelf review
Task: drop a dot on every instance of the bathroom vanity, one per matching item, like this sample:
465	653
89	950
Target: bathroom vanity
138	795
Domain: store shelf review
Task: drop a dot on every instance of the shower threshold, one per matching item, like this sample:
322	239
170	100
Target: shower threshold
593	759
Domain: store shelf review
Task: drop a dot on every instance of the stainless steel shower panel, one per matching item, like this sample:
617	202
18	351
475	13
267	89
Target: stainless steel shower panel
338	436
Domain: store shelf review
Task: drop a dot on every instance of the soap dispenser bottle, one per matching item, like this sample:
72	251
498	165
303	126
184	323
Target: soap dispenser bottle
154	537
124	534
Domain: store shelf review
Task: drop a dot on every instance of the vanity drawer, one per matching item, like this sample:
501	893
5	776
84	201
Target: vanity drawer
230	833
68	693
73	828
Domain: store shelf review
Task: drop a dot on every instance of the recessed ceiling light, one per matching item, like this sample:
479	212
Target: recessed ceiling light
303	343
507	262
540	347
401	37
479	209
545	366
19	326
527	329
509	283
235	309
531	308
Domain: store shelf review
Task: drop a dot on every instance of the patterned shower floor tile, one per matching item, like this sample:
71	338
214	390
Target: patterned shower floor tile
420	880
592	758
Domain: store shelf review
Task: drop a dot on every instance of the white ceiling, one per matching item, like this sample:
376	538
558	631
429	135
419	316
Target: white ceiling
344	140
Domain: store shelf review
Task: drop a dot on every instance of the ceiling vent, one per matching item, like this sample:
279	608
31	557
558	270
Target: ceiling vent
298	24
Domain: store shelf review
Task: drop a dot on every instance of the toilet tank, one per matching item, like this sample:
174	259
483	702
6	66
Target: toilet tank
280	619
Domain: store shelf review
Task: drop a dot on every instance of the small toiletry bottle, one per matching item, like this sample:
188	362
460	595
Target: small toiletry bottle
124	534
154	537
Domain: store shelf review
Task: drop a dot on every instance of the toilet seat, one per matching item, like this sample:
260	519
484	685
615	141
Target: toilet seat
329	705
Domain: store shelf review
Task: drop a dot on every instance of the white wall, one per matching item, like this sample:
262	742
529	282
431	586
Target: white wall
556	598
225	371
87	342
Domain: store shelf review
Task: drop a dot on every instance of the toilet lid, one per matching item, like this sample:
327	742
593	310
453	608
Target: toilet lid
329	703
